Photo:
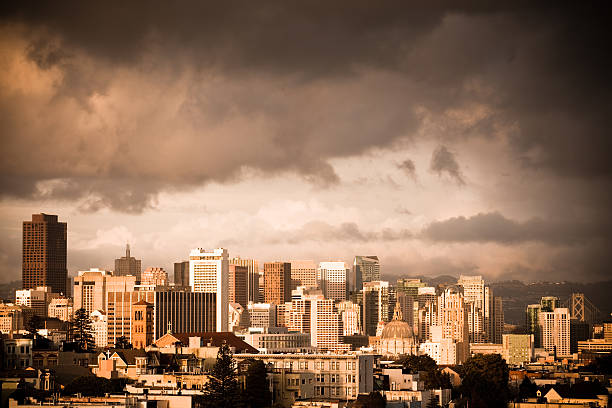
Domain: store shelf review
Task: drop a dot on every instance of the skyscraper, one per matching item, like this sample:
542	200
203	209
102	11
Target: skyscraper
181	273
44	253
277	281
332	279
303	273
555	329
365	269
252	282
209	273
532	321
127	265
375	305
238	277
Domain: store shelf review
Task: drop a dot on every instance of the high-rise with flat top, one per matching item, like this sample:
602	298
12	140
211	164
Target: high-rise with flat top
44	253
209	273
365	269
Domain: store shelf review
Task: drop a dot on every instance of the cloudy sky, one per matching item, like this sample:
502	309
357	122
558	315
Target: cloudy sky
472	139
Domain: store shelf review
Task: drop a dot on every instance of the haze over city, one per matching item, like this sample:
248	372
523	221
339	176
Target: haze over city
469	139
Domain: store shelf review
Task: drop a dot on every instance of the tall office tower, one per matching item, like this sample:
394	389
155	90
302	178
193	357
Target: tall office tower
127	265
121	296
351	317
375	305
549	303
154	276
238	281
253	277
303	273
498	320
426	312
555	329
90	290
480	300
44	253
181	311
407	307
181	273
37	299
325	325
262	315
532	321
332	279
298	314
453	317
365	269
277	281
209	273
410	286
579	331
262	287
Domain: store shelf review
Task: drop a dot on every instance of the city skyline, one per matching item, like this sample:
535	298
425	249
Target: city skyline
466	139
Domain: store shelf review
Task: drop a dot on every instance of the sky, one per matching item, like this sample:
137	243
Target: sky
472	139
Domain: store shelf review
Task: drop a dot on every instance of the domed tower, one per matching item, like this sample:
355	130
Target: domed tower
397	337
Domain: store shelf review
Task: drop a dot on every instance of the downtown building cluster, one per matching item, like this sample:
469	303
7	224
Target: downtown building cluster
325	328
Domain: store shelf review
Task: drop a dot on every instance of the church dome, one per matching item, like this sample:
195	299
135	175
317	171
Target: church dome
397	329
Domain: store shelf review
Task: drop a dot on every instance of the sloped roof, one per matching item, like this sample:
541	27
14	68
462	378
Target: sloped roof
129	355
216	339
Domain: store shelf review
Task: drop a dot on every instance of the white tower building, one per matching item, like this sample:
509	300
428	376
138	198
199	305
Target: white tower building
209	273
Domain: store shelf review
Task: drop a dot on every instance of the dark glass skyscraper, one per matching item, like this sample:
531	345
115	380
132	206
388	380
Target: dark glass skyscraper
365	269
127	265
44	253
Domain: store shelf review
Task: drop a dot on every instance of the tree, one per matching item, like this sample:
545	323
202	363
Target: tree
82	331
33	324
485	381
89	386
418	363
122	343
222	390
433	402
372	400
527	389
257	392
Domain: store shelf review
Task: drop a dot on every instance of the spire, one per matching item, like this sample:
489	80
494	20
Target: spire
397	314
127	250
169	328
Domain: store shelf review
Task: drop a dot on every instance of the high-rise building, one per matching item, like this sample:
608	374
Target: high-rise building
277	281
238	282
127	265
179	311
410	286
365	269
61	308
351	317
517	348
262	315
549	303
481	303
375	305
453	317
532	321
555	330
209	273
154	276
181	273
99	328
44	253
252	277
303	273
90	289
325	326
121	296
498	320
332	279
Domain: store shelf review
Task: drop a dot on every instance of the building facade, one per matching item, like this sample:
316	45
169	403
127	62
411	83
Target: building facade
154	276
209	273
332	278
365	269
277	282
128	265
44	253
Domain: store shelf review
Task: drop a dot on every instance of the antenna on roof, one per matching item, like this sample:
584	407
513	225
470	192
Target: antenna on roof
127	250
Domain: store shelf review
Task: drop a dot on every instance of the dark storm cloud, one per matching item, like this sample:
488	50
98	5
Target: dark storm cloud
347	232
204	92
408	167
443	161
494	227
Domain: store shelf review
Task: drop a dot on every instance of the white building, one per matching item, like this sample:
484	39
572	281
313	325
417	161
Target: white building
555	330
37	299
351	317
332	278
238	317
209	273
262	315
61	308
325	325
99	328
444	351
